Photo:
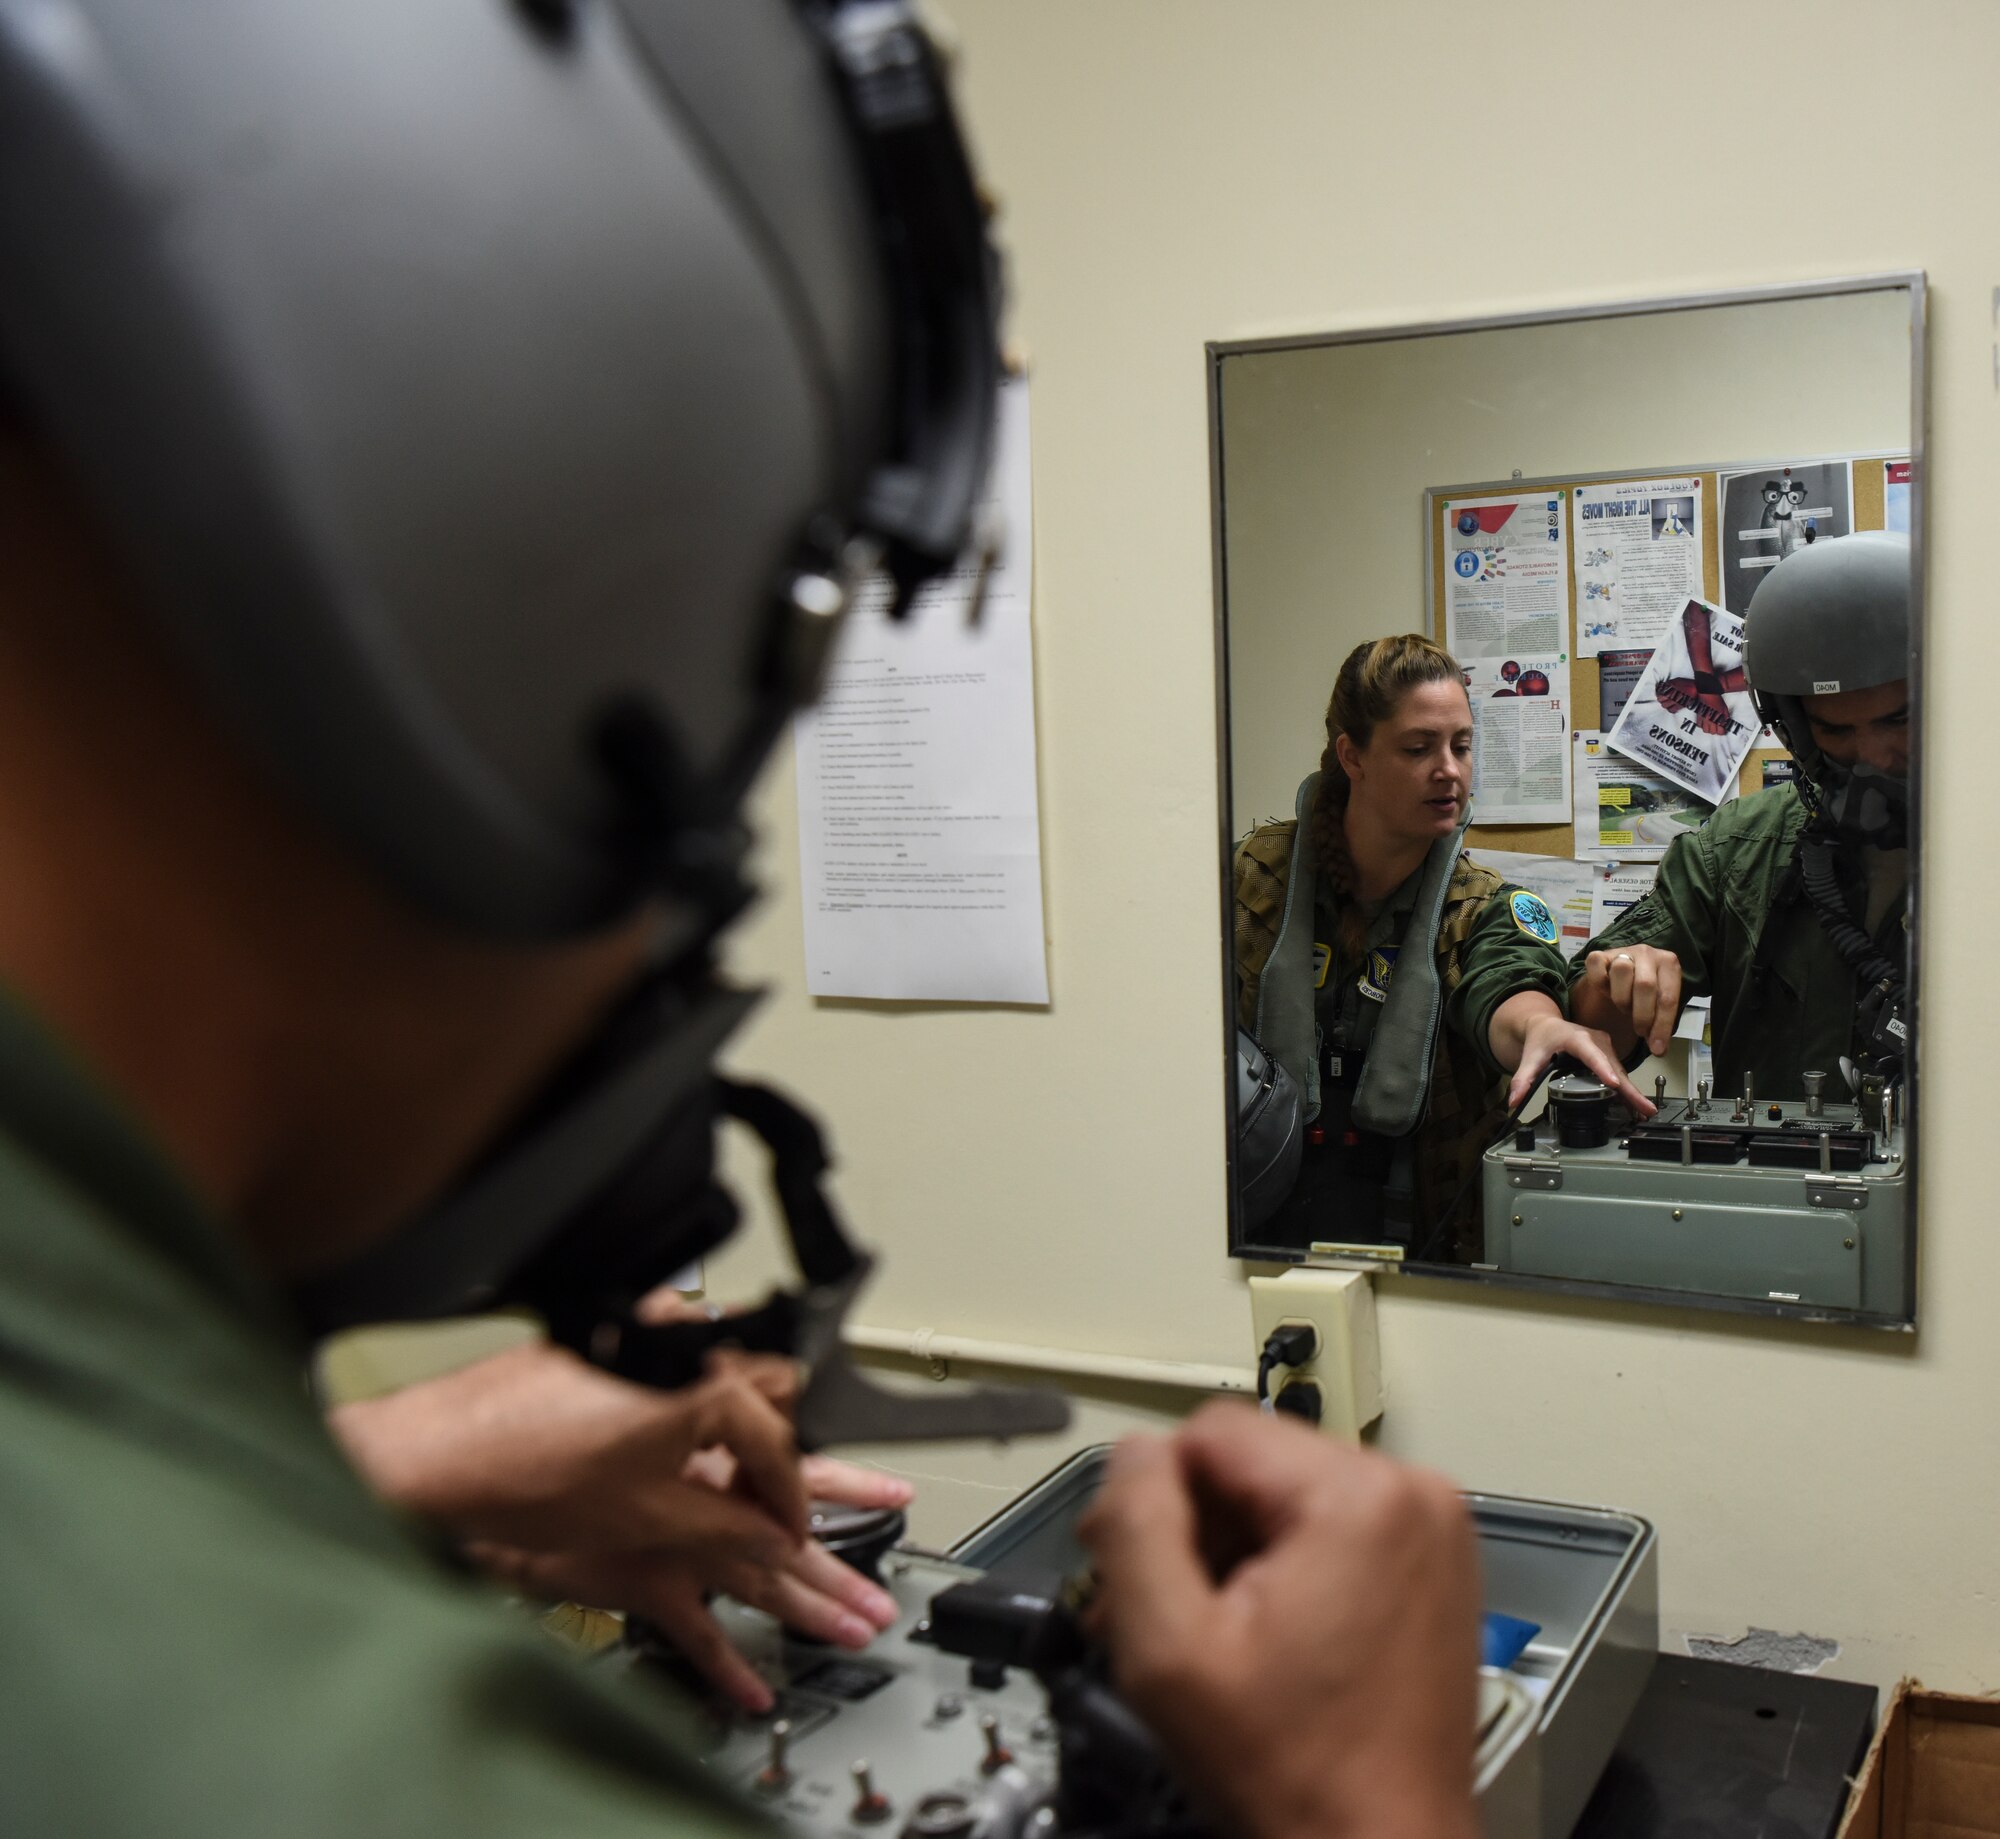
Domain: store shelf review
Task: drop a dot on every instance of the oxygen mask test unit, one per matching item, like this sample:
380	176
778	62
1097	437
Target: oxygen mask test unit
1797	1201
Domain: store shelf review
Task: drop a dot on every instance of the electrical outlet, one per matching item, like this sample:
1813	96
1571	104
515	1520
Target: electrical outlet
1340	1305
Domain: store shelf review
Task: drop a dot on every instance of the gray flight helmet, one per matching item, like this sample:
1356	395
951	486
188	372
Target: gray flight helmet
1270	1133
1833	617
500	402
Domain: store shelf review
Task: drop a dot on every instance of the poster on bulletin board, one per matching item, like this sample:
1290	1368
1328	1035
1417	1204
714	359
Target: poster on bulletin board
1644	545
1638	561
1692	718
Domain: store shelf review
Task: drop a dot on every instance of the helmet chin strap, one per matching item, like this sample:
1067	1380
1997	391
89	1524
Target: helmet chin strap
606	1188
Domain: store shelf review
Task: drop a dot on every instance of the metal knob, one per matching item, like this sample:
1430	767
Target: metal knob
1749	1091
1815	1085
775	1776
1701	1094
941	1816
998	1755
1659	1089
870	1804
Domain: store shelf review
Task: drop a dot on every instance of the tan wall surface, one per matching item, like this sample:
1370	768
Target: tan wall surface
1184	170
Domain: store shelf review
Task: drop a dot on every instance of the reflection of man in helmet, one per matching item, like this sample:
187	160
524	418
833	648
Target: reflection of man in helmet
437	445
1788	907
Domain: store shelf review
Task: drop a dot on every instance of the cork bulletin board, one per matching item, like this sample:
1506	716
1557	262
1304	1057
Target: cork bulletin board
1867	511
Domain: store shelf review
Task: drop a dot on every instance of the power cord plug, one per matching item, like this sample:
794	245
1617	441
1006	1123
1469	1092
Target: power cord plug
1289	1344
1302	1398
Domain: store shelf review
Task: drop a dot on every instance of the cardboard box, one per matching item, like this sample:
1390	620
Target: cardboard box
1933	1771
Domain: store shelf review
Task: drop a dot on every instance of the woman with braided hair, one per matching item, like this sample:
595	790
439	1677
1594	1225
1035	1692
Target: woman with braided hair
1366	884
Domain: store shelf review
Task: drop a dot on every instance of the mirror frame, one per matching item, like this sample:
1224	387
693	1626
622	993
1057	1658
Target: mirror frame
1218	354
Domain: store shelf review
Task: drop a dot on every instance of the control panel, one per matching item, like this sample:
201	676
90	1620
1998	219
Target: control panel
1783	1200
904	1737
910	1739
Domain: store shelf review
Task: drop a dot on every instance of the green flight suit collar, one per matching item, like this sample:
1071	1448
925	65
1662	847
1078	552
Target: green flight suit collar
56	1110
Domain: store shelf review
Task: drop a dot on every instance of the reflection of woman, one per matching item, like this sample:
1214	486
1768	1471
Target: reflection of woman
1366	893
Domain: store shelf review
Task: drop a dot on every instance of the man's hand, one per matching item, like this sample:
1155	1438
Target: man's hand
1299	1622
811	1591
1632	993
1528	1031
574	1485
536	1448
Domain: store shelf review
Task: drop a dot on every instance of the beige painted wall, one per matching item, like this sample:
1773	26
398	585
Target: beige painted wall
1184	170
1330	450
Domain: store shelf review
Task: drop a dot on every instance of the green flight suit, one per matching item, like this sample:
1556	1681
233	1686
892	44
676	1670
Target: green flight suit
1730	904
1484	955
211	1627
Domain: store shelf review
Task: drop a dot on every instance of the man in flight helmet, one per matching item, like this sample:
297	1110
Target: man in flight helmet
1788	907
438	445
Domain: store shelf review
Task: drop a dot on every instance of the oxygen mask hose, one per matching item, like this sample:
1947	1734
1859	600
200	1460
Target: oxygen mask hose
1880	1008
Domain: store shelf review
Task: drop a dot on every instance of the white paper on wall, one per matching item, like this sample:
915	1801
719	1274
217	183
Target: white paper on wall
919	833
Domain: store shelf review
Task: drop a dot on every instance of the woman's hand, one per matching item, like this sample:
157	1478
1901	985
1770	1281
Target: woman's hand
1528	1031
1632	993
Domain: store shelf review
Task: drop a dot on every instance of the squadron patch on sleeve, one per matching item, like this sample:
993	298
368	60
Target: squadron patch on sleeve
1531	914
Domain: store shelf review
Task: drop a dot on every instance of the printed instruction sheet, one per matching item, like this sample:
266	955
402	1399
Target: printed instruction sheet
919	835
1638	553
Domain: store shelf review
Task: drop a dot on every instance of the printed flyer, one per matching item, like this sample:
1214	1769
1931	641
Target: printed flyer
1506	576
1774	512
1520	740
1691	718
1638	561
1624	811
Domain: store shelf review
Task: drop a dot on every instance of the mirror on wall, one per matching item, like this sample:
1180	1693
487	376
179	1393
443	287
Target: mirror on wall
1632	793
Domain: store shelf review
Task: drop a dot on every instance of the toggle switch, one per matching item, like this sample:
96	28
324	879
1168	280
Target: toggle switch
776	1775
870	1804
998	1755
